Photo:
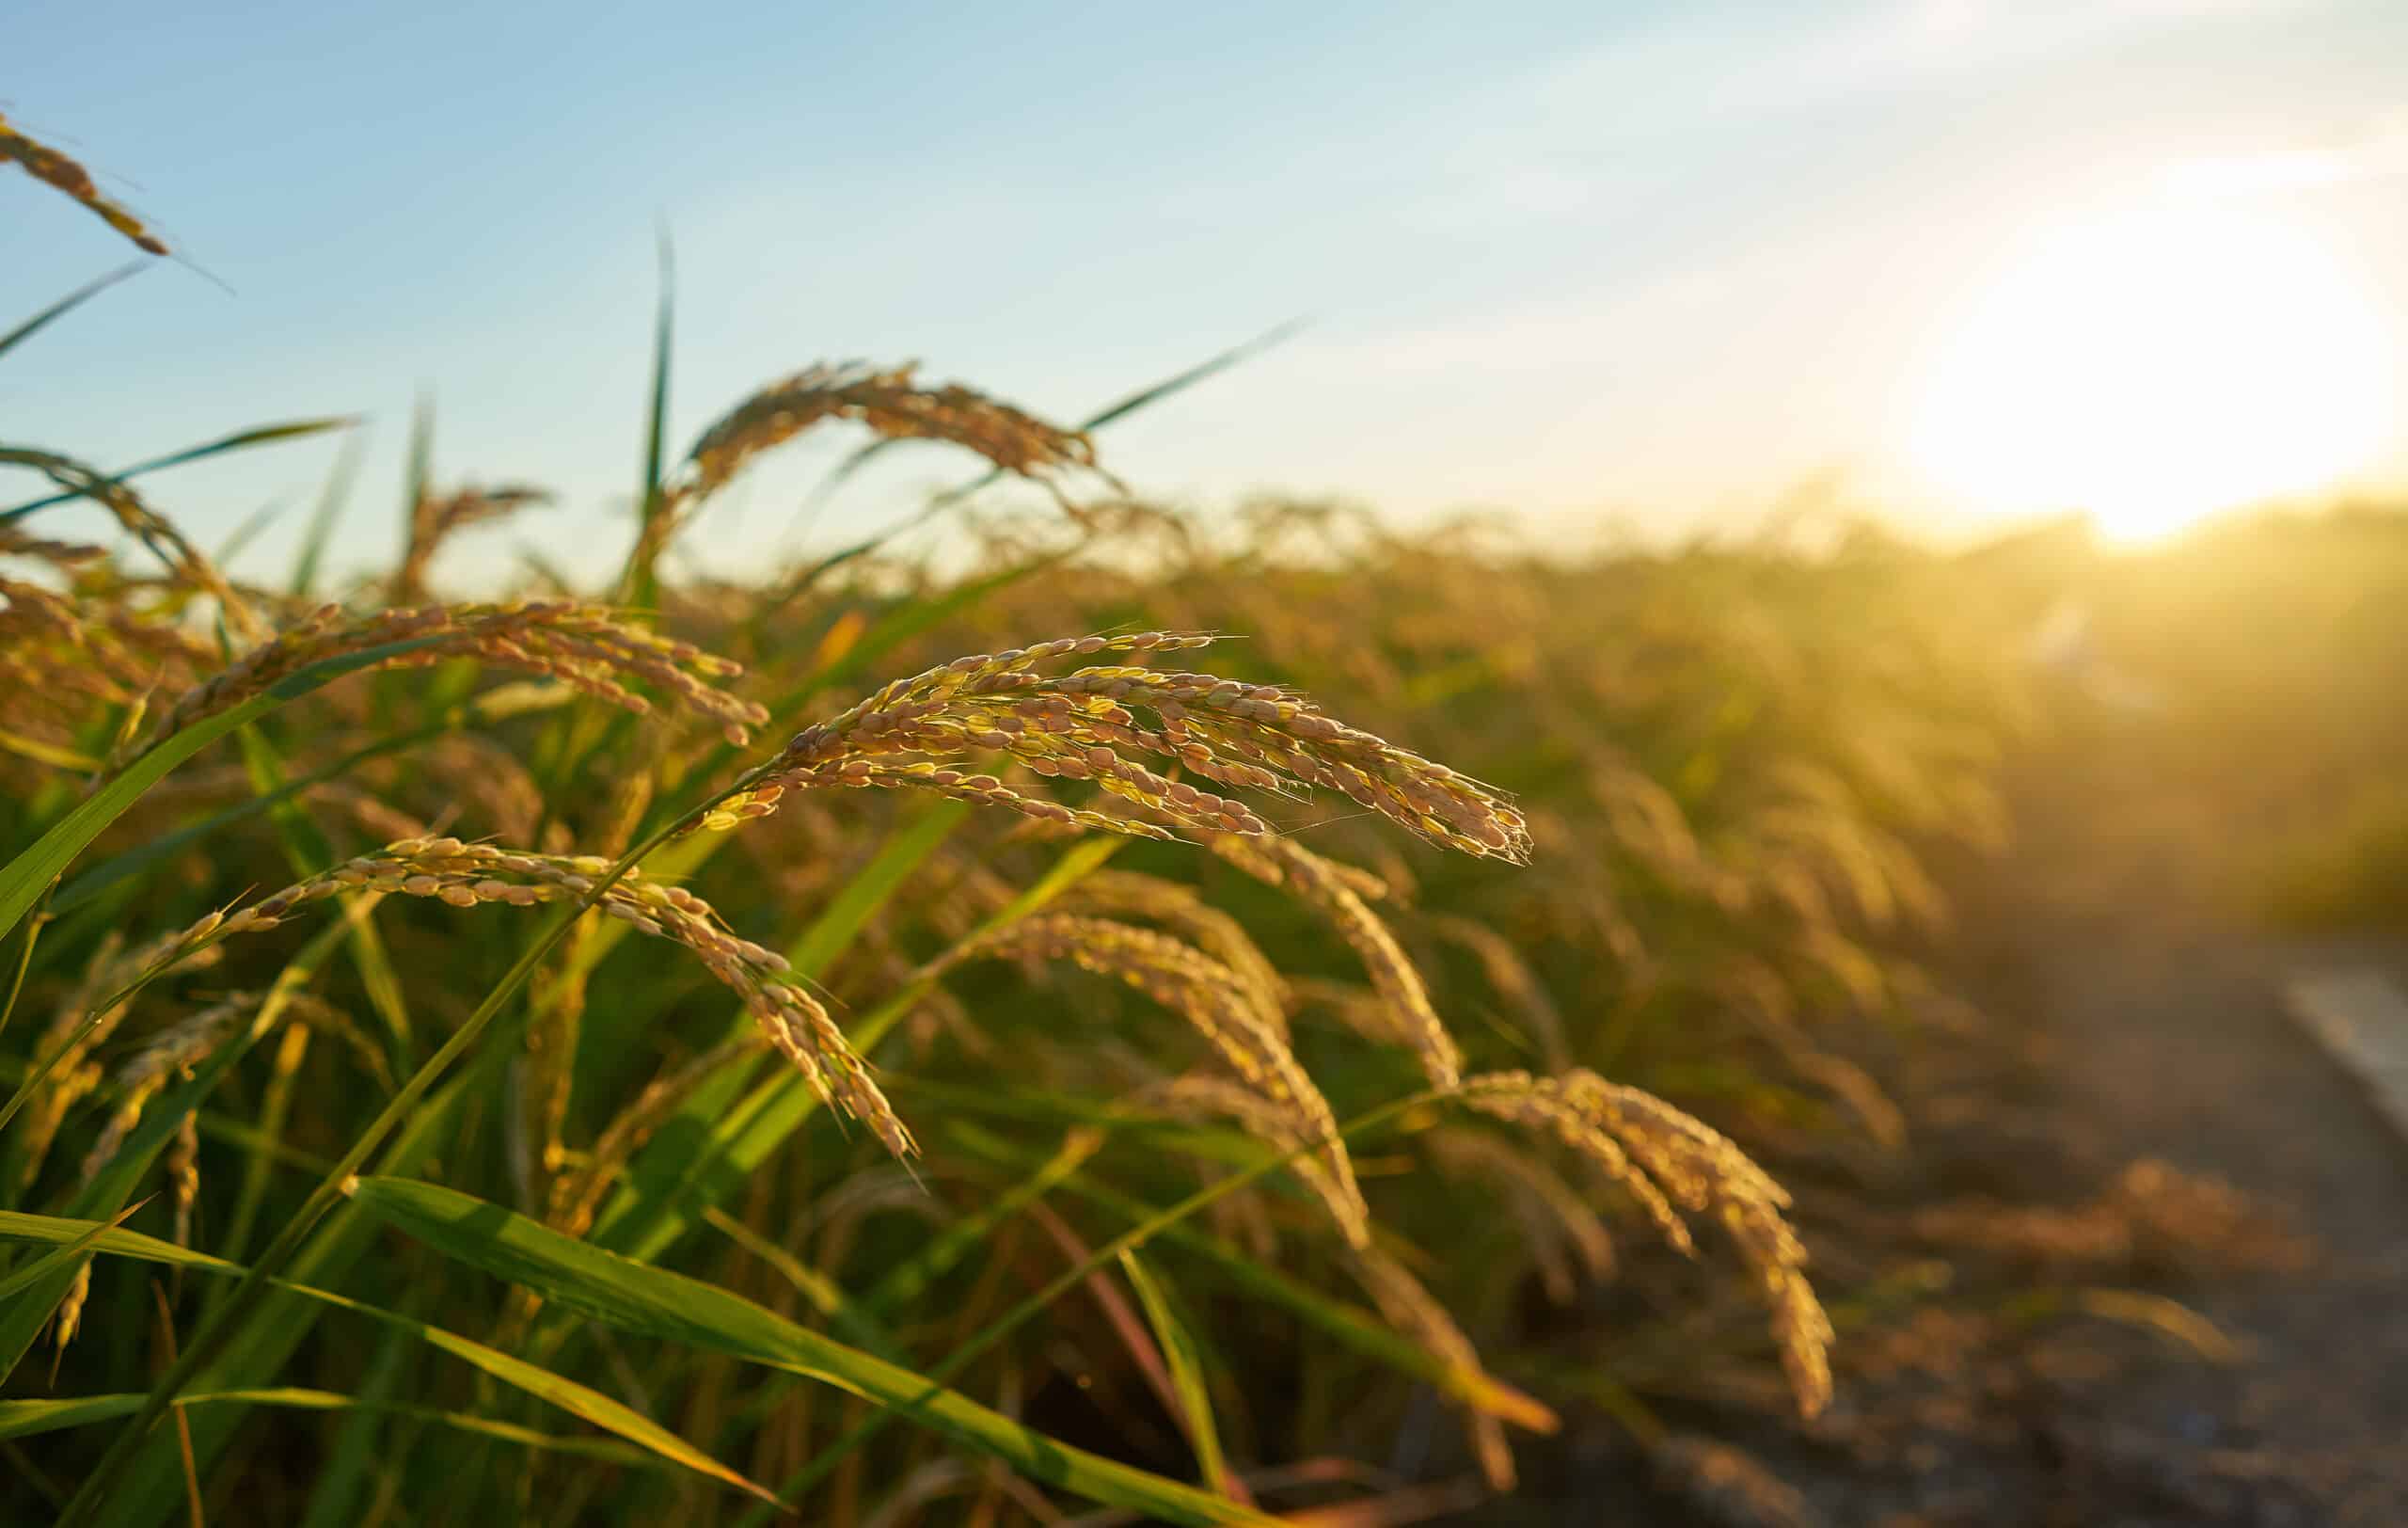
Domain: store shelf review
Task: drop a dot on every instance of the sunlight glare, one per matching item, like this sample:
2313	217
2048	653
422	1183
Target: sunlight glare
2157	367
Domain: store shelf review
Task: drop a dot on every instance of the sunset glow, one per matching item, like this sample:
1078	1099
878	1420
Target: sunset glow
2155	367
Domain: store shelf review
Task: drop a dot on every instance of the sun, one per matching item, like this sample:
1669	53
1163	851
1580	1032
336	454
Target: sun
2155	367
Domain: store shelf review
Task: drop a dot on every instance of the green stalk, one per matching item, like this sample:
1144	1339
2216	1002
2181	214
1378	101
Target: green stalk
256	1283
24	959
1011	1320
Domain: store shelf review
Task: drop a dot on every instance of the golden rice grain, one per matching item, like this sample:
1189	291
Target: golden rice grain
1317	881
54	168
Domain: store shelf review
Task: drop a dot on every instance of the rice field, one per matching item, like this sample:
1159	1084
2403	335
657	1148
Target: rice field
1154	1018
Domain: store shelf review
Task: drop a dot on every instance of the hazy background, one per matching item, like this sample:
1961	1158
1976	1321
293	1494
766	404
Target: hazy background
1566	258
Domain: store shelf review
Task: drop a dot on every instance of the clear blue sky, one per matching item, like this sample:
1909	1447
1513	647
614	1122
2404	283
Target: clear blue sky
1569	258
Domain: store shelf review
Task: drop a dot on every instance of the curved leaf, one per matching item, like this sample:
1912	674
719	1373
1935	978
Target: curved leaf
21	1419
637	1298
570	1396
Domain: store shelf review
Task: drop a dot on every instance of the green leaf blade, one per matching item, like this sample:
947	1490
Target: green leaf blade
637	1298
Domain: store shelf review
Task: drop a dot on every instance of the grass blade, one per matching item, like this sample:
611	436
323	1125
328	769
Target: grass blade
641	586
911	1278
1347	1325
245	533
22	1322
575	1399
307	852
1186	1363
66	305
633	1297
21	1419
322	519
710	1155
50	1263
1145	1230
264	435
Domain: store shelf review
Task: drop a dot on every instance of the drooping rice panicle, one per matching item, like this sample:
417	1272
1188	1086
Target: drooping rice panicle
63	555
494	790
468	875
76	1032
892	406
1512	978
1413	1311
1559	1226
141	1079
144	524
1081	726
1725	1485
586	647
54	168
1183	913
1317	881
1664	1157
157	1063
171	1053
1541	1106
577	1196
1199	1096
1361	1009
382	820
183	1177
62	659
435	516
1214	1001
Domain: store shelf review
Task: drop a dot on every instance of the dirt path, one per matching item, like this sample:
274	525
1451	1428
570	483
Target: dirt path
2139	1116
2162	1035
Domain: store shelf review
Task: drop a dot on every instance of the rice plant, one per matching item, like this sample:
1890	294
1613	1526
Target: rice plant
1098	1063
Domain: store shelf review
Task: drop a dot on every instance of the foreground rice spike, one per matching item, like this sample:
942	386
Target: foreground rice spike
154	531
1319	882
468	875
1080	727
433	517
51	167
1664	1157
1214	1001
586	647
